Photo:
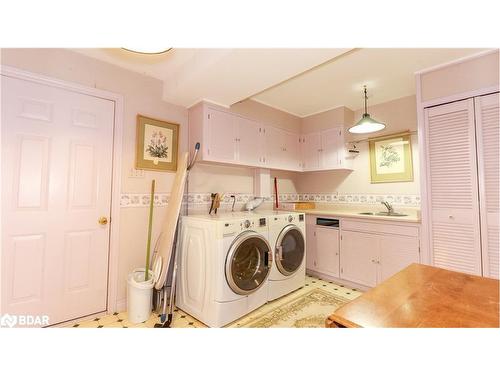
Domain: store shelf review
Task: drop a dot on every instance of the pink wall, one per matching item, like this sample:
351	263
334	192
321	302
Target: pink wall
340	116
399	115
468	75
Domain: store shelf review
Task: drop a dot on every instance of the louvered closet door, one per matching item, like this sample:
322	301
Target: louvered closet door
487	128
453	187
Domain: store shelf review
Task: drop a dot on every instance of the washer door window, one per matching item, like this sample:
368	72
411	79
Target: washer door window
290	250
248	263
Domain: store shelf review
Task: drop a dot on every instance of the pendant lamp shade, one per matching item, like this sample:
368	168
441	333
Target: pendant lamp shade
366	124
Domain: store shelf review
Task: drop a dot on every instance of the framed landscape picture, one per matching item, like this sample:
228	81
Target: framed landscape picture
157	144
391	158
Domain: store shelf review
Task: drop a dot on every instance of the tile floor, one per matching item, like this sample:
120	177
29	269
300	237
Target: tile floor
184	320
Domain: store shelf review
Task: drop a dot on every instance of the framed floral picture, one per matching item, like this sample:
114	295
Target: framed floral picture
391	158
157	144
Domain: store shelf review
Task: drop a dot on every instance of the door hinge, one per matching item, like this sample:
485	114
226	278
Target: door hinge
341	270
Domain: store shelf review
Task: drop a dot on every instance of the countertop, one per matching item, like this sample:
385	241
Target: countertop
353	212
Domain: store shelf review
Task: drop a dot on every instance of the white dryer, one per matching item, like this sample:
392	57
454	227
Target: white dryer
287	235
224	262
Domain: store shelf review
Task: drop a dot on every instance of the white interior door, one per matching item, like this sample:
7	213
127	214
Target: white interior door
453	187
488	129
56	183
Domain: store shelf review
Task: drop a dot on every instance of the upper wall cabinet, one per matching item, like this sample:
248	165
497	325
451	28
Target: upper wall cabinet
229	138
323	150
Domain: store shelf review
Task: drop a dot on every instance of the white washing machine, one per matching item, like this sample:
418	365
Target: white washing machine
287	235
224	262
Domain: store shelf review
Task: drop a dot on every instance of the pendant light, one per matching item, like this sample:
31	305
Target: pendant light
366	124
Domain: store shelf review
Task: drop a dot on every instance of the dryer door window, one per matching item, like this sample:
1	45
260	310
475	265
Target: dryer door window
248	263
290	250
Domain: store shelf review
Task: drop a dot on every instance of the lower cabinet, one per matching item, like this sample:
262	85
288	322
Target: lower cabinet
396	253
322	251
358	256
369	258
327	251
363	252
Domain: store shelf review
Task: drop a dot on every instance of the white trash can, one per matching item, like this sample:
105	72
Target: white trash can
139	295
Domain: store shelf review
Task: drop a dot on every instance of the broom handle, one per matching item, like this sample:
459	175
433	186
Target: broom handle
150	225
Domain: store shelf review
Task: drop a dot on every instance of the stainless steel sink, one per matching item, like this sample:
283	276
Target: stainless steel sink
397	214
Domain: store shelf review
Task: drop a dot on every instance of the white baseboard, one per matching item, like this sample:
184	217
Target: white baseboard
121	305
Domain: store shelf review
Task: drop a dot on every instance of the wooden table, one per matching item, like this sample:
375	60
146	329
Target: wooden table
424	296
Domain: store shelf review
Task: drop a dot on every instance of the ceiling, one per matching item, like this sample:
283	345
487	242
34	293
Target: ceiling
387	73
223	76
299	81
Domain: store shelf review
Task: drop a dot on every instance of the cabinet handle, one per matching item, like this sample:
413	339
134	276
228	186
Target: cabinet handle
451	217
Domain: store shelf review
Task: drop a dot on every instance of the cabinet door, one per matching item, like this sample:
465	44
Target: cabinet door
310	247
222	134
396	253
310	151
274	147
453	187
488	134
358	256
327	251
330	148
249	142
291	151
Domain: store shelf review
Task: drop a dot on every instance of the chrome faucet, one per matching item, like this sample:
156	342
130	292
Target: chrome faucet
390	209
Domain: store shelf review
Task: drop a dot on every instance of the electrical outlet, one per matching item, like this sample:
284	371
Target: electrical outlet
136	173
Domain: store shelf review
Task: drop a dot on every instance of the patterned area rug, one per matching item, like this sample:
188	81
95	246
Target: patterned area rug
308	310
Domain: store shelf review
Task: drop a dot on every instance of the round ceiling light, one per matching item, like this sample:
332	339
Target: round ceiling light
147	50
366	124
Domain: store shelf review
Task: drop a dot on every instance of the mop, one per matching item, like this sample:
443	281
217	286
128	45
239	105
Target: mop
165	262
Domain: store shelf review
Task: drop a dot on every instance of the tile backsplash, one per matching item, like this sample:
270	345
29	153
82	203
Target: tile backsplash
161	199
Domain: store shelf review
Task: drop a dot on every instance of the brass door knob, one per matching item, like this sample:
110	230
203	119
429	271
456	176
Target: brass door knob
103	220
